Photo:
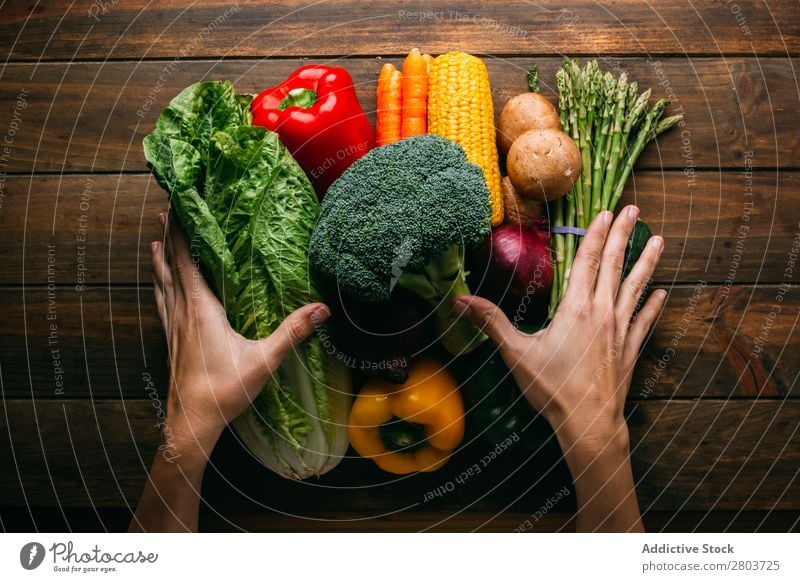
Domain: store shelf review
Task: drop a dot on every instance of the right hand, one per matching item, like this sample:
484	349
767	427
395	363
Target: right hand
577	371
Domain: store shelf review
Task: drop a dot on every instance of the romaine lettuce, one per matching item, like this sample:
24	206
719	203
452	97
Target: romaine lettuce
248	210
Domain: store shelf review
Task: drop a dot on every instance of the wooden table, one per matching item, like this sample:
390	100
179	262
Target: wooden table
713	409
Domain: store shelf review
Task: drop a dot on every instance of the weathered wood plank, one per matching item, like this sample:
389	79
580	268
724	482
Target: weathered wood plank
216	28
710	341
725	455
97	227
50	519
510	521
98	343
654	521
716	449
69	448
93	116
76	453
100	226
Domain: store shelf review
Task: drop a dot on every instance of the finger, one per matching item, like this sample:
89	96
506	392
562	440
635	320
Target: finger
614	254
162	275
583	275
634	284
489	318
158	293
186	265
294	330
168	252
641	325
180	259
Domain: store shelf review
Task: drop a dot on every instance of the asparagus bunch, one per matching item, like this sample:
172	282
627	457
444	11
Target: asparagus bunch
611	123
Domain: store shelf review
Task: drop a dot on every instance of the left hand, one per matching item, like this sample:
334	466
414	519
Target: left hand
577	370
215	373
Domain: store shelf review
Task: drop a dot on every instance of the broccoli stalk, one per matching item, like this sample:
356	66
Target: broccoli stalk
442	280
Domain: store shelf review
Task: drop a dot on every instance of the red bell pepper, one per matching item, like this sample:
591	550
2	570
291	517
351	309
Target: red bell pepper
318	118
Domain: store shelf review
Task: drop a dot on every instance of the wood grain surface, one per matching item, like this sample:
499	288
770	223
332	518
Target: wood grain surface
701	218
93	116
713	407
689	456
710	341
84	519
136	29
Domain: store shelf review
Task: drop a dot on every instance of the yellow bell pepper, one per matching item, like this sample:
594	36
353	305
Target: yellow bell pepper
409	427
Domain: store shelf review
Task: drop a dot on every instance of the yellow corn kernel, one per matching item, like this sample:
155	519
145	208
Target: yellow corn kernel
460	109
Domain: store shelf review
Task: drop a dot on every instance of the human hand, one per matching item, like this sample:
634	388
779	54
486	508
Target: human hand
577	371
214	373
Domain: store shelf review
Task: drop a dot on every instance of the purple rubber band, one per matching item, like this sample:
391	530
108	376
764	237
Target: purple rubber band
568	230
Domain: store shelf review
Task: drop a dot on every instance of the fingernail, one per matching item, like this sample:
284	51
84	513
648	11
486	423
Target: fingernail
657	243
461	307
320	314
607	216
154	246
163	218
662	294
633	212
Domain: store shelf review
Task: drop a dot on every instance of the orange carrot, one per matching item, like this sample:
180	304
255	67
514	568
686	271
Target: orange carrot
415	94
390	105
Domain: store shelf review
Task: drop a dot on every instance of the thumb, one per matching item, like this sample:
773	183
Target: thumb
293	331
487	316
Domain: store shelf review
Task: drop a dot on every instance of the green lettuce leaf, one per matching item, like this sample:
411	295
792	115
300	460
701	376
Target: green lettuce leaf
248	210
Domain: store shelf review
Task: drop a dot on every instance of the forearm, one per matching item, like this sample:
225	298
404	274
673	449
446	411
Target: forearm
603	479
170	501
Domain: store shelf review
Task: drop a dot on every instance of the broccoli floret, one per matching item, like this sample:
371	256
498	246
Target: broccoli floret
403	215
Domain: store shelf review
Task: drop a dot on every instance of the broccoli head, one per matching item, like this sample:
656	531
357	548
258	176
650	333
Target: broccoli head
403	215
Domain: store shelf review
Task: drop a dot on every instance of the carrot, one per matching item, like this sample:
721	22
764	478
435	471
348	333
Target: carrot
415	94
390	105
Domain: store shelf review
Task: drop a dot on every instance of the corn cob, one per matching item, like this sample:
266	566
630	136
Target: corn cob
460	109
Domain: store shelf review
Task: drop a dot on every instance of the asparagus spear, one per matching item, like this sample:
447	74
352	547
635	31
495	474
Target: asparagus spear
616	131
667	123
573	205
649	130
587	112
611	124
558	267
571	87
558	205
607	90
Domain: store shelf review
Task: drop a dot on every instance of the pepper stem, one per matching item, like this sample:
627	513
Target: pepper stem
298	98
399	435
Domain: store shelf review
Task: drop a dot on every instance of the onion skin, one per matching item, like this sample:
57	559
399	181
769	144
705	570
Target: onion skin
514	269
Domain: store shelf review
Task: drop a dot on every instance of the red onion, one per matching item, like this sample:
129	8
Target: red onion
514	269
